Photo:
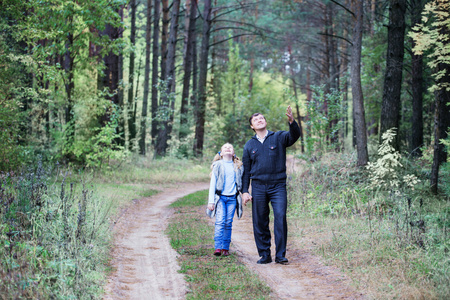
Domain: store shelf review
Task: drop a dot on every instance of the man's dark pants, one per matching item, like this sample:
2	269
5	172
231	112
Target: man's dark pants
276	194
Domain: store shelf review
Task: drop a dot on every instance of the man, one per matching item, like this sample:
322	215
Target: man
264	161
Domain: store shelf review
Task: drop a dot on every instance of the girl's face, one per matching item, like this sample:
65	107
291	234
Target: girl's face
227	149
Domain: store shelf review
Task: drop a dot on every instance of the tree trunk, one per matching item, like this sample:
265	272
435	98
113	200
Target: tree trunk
188	60
416	86
155	57
165	27
110	78
202	95
194	94
148	34
344	50
168	97
68	68
358	101
441	126
442	116
131	111
120	93
390	108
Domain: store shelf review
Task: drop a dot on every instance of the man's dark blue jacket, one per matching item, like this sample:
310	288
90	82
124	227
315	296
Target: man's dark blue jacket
266	162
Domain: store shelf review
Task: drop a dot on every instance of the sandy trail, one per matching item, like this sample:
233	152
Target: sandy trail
145	265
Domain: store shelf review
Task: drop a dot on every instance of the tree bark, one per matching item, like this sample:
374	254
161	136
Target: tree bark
442	116
111	76
164	30
345	62
120	93
417	86
155	57
68	68
148	35
203	70
131	110
390	108
441	126
168	97
358	101
188	61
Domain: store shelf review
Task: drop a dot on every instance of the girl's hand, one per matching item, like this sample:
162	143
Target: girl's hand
246	197
211	206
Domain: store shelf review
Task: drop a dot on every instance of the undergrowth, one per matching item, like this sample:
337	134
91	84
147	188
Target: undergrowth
54	236
392	239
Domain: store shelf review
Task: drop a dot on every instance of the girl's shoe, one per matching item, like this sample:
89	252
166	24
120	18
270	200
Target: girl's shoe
218	252
225	252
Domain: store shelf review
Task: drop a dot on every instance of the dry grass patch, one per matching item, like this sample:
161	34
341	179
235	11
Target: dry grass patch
377	267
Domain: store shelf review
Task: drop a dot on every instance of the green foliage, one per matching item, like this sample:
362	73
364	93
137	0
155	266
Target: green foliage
373	58
384	173
54	237
98	148
10	151
445	169
33	37
12	78
432	36
325	112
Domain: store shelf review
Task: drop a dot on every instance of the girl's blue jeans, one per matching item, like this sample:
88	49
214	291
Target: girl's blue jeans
224	221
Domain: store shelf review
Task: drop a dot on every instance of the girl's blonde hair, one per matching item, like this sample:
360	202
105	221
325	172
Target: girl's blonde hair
237	162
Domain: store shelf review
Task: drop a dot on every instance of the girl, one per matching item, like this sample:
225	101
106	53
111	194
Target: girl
224	197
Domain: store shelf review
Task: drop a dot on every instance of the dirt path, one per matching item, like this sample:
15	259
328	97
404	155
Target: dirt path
144	263
146	268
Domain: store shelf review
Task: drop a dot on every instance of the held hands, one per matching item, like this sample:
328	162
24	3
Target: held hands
211	206
289	114
246	197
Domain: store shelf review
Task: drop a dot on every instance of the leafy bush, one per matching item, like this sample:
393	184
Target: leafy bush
94	147
385	172
10	151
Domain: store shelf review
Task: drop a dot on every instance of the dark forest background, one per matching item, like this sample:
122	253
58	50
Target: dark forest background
89	82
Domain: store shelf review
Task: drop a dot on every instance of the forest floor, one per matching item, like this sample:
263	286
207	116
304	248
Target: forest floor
145	265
